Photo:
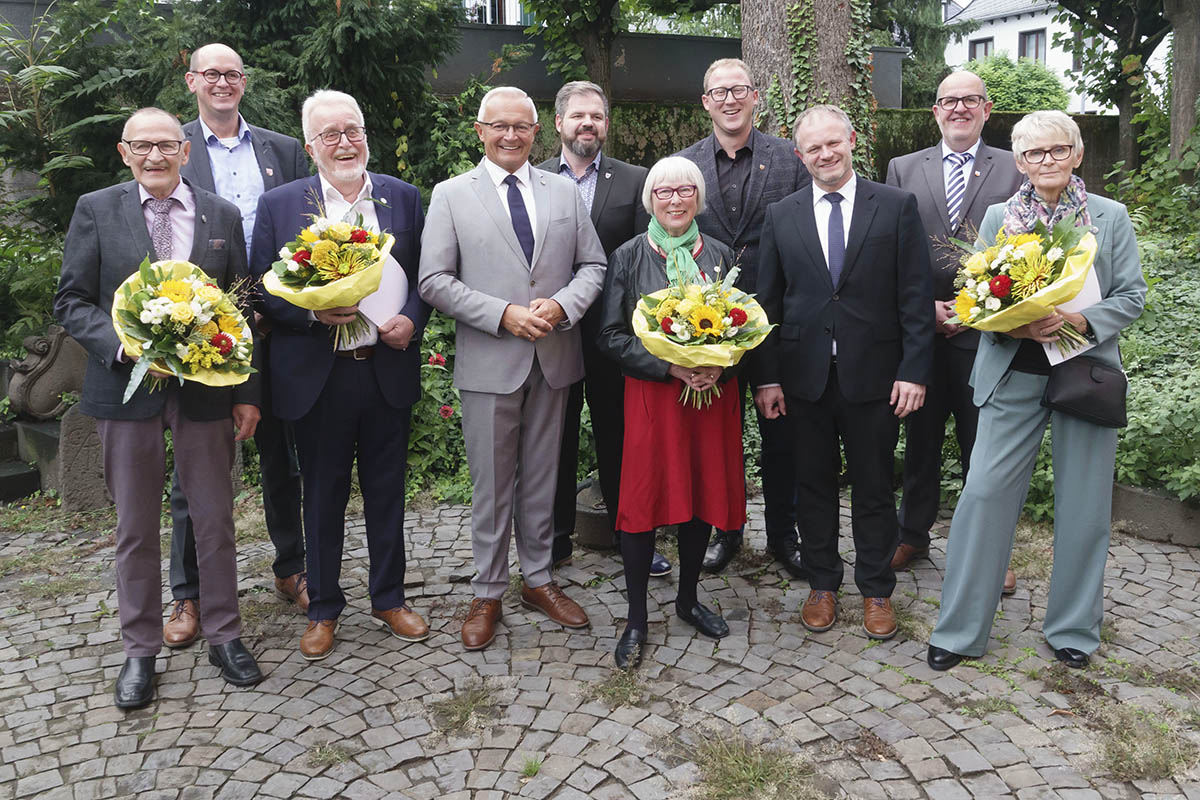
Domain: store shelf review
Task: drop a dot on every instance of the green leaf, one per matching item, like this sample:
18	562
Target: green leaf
140	368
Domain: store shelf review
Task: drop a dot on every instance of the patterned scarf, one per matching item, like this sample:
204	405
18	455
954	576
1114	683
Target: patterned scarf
1025	208
681	267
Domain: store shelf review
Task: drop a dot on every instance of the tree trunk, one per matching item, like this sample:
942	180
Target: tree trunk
765	49
1129	149
831	72
1185	73
597	58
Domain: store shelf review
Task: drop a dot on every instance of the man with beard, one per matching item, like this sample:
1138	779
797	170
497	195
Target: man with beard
612	193
353	403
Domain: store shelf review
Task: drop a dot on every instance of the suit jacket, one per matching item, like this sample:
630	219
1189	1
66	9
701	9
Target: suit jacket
880	312
775	173
472	268
281	159
105	243
302	351
1123	289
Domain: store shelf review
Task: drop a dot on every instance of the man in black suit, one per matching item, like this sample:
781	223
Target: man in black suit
239	162
612	193
844	271
744	172
955	181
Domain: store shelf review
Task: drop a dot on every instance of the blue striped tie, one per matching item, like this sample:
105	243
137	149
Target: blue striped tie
956	187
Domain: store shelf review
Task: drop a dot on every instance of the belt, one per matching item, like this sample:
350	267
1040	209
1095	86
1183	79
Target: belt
358	354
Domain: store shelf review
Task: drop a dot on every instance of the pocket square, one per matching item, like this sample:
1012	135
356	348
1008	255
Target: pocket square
216	244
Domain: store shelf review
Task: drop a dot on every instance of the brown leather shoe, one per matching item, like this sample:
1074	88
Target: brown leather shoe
554	603
295	589
906	553
820	610
1010	582
879	621
184	625
479	628
403	622
317	641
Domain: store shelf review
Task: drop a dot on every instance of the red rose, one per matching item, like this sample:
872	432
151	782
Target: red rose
437	360
301	256
666	324
223	342
737	317
1000	285
358	236
446	412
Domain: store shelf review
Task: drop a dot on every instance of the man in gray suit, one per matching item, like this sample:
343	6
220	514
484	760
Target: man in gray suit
955	181
239	162
157	215
512	255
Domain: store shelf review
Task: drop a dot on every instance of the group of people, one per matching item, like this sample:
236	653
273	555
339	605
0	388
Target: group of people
541	267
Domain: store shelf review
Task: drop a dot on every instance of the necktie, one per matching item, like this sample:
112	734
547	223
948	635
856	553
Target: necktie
837	237
520	218
956	187
160	230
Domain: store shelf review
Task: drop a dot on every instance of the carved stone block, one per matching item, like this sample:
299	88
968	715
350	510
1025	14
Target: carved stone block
55	365
81	463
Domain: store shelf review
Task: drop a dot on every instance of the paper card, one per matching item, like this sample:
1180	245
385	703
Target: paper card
1088	296
386	301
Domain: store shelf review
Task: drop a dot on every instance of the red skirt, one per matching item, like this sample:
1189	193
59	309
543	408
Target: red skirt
679	462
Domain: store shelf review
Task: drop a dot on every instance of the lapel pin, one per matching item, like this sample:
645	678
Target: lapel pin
607	175
762	166
204	218
270	172
383	200
976	173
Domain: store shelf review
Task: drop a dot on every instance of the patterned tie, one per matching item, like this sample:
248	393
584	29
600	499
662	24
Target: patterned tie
837	237
160	230
520	218
957	186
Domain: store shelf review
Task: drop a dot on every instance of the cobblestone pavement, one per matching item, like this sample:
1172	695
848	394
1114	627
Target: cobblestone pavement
372	720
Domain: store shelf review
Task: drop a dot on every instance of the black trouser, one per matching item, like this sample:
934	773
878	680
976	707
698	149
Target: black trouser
777	471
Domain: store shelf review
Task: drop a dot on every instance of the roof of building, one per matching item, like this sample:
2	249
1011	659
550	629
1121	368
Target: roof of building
991	9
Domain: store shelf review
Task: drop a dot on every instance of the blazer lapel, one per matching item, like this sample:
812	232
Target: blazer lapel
806	224
131	207
481	182
541	200
931	168
201	167
383	205
204	210
979	173
860	222
268	163
707	161
604	181
760	168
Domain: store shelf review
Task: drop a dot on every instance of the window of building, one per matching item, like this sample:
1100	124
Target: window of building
980	48
1032	44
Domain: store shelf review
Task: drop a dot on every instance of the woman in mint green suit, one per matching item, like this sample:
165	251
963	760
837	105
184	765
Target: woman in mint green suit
1008	380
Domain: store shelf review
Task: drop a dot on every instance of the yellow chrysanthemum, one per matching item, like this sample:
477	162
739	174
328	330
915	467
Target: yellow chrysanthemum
1029	275
339	231
324	255
231	326
706	321
345	262
307	235
976	264
964	303
685	307
176	291
208	294
182	313
208	330
1023	239
1030	251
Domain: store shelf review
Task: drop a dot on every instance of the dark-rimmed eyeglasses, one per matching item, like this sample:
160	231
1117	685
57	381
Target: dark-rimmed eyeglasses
502	128
353	134
213	75
969	101
739	92
141	147
665	192
1059	153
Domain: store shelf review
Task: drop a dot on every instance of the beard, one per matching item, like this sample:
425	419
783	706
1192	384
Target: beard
585	149
344	170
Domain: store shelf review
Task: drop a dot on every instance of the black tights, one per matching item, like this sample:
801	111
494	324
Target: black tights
638	548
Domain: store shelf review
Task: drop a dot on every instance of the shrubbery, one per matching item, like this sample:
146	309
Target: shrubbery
1025	85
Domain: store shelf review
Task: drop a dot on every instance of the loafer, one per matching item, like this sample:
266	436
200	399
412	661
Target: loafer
554	603
721	550
404	623
135	683
184	624
237	666
659	566
819	611
294	589
629	648
906	553
479	628
1010	582
317	640
879	621
703	619
1075	659
940	659
786	550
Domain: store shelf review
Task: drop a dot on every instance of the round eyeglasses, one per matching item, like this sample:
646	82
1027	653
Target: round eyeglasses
213	75
739	92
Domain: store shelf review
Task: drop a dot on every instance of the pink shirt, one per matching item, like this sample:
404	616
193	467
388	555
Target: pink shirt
182	216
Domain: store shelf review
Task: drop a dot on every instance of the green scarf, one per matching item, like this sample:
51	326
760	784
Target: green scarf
681	267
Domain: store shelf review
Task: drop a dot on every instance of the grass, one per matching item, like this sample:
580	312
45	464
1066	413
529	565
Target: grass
531	767
1136	744
467	709
328	755
988	705
1033	550
42	512
262	612
733	768
622	687
63	586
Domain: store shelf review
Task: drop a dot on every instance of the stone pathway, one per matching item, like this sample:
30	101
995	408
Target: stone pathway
385	719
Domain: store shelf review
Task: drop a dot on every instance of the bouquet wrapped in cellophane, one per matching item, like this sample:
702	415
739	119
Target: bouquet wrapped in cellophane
1019	279
178	322
700	325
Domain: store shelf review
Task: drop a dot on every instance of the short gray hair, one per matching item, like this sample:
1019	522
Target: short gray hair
326	97
152	111
575	89
1043	125
823	108
677	170
509	91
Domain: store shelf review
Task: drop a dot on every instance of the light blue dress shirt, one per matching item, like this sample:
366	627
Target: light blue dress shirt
236	176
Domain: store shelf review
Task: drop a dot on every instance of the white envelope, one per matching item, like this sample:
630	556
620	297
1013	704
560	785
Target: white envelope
386	301
1088	296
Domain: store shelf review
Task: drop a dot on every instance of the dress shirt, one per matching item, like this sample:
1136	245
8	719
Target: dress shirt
336	208
585	183
967	169
182	216
524	176
236	176
822	208
732	176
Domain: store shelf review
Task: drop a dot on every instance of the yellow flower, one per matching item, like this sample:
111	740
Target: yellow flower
976	264
175	291
695	294
202	355
208	330
1023	239
346	261
307	235
230	325
1031	251
706	321
182	313
324	255
208	294
339	231
963	304
666	308
1029	275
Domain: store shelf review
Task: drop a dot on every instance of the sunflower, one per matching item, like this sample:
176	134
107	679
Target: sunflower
706	321
230	325
176	291
1029	275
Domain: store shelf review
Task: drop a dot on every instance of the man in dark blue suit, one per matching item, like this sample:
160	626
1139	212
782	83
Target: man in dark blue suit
352	403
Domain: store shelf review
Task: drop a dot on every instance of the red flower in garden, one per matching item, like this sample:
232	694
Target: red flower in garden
223	342
446	412
1000	285
737	317
301	256
666	324
358	236
437	360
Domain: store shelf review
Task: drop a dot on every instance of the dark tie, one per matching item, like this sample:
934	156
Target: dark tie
837	237
160	229
956	186
520	218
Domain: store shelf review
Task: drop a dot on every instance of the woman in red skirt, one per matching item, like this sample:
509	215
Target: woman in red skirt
680	465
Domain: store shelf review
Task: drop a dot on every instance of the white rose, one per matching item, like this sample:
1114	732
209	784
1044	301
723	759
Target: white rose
1054	255
292	266
731	331
982	290
974	312
992	304
284	254
147	317
970	284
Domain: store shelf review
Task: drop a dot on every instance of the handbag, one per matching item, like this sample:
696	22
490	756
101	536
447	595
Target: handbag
1088	389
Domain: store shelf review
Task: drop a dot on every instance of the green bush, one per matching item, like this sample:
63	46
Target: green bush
30	261
1026	85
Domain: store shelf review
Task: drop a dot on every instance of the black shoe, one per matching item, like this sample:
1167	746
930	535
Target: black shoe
1075	659
724	546
704	620
786	550
561	550
940	659
237	665
659	566
629	648
135	684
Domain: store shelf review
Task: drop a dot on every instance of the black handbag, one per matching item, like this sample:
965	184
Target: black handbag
1089	389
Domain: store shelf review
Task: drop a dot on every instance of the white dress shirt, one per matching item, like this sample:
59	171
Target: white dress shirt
968	168
524	175
822	209
336	208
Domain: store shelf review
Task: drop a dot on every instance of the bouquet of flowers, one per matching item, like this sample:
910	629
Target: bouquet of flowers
700	325
1019	279
330	264
179	323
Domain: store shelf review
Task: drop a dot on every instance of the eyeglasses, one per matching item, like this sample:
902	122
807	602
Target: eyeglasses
1059	153
739	92
353	134
214	75
665	192
141	147
502	128
969	101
